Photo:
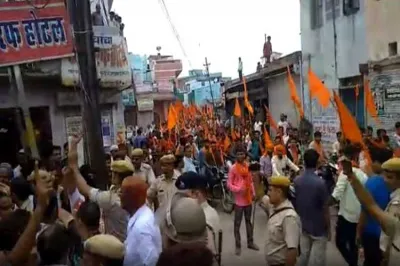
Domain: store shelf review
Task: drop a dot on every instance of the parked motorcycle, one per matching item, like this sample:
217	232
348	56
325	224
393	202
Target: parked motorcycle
218	187
328	173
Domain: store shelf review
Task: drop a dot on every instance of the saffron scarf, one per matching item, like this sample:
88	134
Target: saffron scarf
243	171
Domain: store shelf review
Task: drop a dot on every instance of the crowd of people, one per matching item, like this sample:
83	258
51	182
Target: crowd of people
155	209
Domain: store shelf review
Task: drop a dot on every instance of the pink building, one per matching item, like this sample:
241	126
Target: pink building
165	70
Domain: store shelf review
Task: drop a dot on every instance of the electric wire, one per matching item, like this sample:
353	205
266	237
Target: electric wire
38	7
175	31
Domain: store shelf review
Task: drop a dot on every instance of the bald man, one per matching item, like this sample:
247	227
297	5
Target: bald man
143	243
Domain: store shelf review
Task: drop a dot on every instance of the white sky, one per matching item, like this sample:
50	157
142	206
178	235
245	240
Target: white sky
222	30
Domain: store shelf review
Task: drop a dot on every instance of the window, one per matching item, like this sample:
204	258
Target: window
350	7
187	88
332	9
316	14
393	49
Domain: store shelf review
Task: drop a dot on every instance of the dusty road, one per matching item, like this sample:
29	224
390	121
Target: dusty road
254	258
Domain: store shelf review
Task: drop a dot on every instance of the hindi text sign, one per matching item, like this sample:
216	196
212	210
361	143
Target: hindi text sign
112	63
29	34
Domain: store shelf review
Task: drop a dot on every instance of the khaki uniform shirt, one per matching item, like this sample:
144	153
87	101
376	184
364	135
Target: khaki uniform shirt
390	238
162	189
284	230
115	218
145	173
212	220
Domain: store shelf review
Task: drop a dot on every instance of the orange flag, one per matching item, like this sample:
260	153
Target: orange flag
352	132
318	89
293	94
267	138
270	119
347	121
227	144
357	91
369	102
246	98
172	117
237	112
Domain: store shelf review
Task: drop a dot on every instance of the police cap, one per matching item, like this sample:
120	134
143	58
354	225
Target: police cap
280	181
392	165
191	180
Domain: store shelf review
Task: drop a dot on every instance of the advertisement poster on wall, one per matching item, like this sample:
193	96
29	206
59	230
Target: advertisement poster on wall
106	130
327	122
73	126
385	88
113	67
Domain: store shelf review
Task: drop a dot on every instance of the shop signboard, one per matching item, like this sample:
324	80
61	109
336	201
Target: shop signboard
128	97
112	63
29	34
145	104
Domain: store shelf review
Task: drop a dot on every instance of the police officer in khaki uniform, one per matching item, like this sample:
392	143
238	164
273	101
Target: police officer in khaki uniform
182	221
195	186
284	226
142	169
103	250
162	189
115	218
389	219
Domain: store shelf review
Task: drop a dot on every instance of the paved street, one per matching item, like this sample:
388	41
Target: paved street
254	258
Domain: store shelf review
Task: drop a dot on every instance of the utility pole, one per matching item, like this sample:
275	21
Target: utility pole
23	116
209	83
91	118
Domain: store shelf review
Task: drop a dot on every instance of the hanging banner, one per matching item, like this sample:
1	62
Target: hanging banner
113	67
29	34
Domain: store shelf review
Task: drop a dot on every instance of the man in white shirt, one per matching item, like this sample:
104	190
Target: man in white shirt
336	144
349	209
283	123
188	159
258	126
281	161
143	243
22	160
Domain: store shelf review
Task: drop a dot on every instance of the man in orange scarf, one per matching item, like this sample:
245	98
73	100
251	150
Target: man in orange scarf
240	182
317	146
213	155
167	144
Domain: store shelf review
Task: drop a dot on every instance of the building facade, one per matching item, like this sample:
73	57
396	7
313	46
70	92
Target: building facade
333	39
268	87
164	73
155	79
383	38
197	89
52	86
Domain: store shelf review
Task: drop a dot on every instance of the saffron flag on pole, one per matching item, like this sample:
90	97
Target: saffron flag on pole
357	91
172	117
270	119
237	111
293	93
370	102
267	139
246	98
318	89
349	126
